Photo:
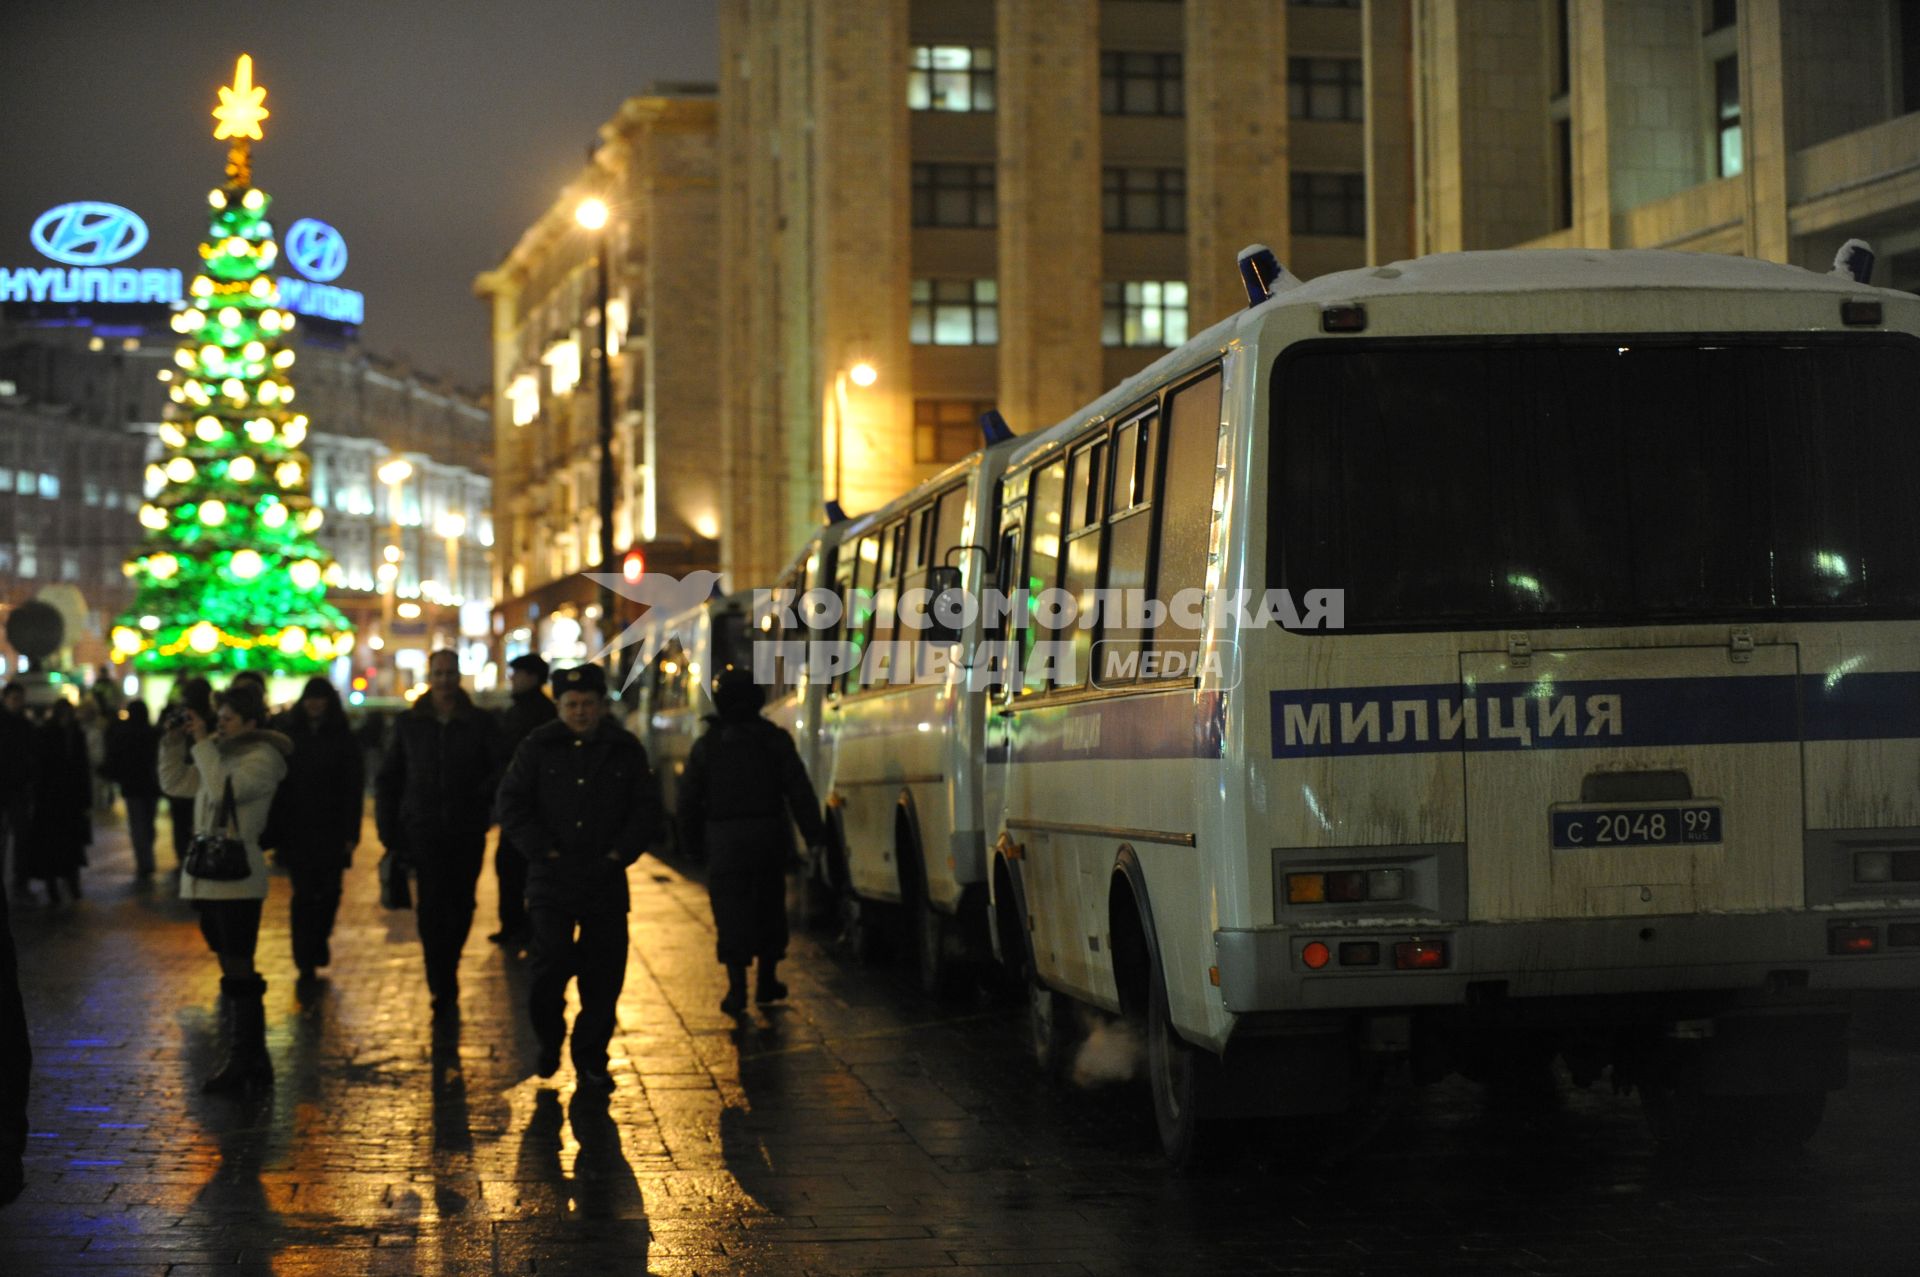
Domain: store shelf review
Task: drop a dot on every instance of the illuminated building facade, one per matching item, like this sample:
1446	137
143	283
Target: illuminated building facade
650	188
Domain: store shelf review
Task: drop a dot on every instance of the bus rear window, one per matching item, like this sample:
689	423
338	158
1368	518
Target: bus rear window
1598	480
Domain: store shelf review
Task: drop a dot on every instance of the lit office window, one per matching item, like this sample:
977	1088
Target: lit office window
955	312
949	77
1726	96
1143	312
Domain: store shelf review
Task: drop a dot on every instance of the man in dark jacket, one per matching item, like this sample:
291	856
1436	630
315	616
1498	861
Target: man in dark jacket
580	801
133	763
531	707
433	802
16	784
742	781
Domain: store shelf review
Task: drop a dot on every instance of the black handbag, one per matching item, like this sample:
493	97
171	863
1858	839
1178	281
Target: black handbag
394	892
220	856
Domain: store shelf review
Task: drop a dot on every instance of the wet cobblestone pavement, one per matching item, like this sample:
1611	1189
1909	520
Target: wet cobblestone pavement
861	1129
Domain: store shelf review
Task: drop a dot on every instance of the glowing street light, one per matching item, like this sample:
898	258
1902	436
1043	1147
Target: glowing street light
592	213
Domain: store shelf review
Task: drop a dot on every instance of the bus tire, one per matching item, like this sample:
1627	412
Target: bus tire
1176	1076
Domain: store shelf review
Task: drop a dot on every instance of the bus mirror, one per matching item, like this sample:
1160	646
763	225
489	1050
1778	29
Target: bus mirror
946	605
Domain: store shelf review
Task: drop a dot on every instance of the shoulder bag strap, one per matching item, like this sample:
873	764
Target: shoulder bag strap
229	817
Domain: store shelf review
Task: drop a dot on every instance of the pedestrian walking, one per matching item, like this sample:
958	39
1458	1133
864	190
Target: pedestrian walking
133	763
433	802
531	707
62	825
16	786
238	755
581	802
742	782
194	693
316	818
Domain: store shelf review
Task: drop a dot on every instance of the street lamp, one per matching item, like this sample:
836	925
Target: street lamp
863	375
593	215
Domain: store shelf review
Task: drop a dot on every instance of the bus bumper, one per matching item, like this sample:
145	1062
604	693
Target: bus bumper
1265	969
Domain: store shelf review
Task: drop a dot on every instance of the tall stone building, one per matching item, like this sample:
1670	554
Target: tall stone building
991	204
1769	128
654	171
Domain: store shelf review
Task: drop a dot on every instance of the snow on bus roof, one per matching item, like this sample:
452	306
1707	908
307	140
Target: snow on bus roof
1510	270
1544	269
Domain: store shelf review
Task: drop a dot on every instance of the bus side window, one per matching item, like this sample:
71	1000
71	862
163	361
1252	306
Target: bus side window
1186	508
860	616
1086	484
1129	542
1044	539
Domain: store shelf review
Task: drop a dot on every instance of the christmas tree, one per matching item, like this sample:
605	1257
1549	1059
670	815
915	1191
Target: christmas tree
229	576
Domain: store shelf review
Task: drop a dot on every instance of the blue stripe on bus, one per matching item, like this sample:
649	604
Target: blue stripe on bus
1594	714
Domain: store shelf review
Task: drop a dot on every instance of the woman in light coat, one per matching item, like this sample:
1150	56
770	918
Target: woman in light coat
198	759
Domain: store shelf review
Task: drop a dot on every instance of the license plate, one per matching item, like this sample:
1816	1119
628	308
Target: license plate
1597	827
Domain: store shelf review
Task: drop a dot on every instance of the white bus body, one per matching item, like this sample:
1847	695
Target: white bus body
900	749
1618	754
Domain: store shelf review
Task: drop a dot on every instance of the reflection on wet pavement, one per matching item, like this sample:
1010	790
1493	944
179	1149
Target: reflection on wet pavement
862	1128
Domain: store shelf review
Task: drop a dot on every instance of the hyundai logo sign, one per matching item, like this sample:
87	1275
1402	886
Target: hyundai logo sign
90	233
316	250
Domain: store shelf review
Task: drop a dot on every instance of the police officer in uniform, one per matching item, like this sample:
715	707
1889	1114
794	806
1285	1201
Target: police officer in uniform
580	803
531	707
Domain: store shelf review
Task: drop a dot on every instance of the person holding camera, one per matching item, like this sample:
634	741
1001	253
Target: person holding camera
231	767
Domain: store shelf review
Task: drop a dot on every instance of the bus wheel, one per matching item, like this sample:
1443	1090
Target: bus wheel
1174	1075
940	973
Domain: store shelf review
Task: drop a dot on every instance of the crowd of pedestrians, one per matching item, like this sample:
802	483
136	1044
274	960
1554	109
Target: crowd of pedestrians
571	790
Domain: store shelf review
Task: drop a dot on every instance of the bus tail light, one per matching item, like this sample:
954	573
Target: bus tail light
1420	955
1842	940
1346	886
1315	955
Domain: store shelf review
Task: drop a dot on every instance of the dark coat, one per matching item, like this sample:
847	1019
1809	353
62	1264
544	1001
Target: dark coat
317	810
743	779
16	749
581	809
437	779
528	711
62	800
133	758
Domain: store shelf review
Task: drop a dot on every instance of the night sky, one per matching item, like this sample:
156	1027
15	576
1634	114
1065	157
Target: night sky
431	133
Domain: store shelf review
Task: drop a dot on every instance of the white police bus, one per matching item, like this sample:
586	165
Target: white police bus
673	695
896	755
1616	755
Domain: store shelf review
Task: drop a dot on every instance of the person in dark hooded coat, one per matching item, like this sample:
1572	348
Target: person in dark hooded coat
580	801
62	801
316	818
742	783
133	763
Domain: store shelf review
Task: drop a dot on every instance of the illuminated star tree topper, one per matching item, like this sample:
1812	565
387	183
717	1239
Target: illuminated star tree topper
229	575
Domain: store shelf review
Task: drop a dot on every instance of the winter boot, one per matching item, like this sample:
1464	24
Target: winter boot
736	1000
766	987
247	1064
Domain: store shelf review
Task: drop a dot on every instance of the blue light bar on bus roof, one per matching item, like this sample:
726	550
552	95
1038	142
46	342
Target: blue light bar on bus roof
1259	270
836	513
994	428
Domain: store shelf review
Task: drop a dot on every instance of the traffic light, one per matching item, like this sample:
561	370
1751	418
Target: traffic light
633	566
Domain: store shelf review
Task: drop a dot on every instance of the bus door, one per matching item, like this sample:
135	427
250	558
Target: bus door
1604	782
